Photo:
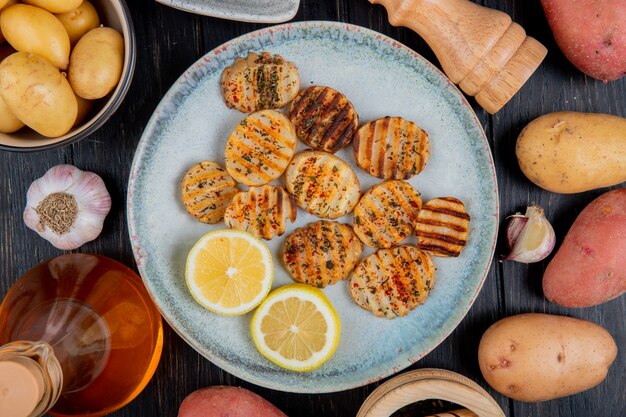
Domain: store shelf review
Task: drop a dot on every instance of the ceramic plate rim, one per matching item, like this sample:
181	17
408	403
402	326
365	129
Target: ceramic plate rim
408	358
241	17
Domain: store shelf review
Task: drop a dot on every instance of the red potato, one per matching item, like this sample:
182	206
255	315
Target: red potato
591	34
222	401
590	266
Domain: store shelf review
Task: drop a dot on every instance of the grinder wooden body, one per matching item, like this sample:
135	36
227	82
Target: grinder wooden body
482	50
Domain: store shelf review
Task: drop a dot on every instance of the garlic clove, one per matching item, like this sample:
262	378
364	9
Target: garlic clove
67	206
516	225
530	236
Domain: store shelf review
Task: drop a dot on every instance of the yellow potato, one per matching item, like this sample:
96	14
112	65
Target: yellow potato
31	29
570	152
79	21
8	122
84	108
96	63
38	94
55	6
4	4
538	357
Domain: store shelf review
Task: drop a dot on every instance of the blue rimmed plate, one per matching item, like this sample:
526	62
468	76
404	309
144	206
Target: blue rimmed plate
257	11
381	77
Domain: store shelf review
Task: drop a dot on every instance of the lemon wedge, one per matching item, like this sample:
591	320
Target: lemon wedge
296	327
229	272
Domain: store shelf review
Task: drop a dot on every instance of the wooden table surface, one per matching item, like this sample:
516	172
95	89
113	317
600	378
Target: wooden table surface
169	41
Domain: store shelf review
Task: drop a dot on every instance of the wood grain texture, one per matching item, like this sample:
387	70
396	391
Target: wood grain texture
169	41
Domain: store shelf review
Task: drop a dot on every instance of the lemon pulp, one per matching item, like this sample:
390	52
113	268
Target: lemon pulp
229	272
296	327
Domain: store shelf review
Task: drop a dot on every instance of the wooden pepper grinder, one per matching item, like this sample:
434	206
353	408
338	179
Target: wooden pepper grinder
480	49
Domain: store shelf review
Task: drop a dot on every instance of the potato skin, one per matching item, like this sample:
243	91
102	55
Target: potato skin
591	34
50	109
590	266
571	152
8	122
31	29
55	6
79	21
96	63
223	401
538	357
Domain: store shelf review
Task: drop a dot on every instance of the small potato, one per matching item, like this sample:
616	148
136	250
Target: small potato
96	63
571	152
591	34
538	357
223	401
55	6
8	122
38	94
31	29
3	5
79	21
84	108
590	266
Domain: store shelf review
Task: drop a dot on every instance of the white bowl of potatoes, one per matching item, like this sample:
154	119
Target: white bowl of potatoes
65	67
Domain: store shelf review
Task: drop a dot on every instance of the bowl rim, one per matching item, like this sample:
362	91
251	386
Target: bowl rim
113	104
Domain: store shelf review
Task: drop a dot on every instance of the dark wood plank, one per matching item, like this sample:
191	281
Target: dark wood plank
170	41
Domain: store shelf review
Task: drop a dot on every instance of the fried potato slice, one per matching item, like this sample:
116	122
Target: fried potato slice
322	184
386	214
321	253
442	227
207	190
324	118
260	147
391	148
261	211
392	282
260	82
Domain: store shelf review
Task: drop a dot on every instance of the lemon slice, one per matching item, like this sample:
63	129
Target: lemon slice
229	272
296	327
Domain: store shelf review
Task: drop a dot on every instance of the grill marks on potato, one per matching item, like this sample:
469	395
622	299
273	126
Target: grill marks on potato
260	147
207	190
322	184
324	118
442	227
321	253
260	82
386	214
392	282
391	148
261	211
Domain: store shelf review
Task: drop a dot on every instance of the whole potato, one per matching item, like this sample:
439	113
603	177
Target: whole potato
31	29
591	34
84	108
55	6
570	152
538	357
37	94
8	122
96	63
590	266
79	21
222	401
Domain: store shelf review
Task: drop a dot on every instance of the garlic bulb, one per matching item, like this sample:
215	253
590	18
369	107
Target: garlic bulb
530	236
67	206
